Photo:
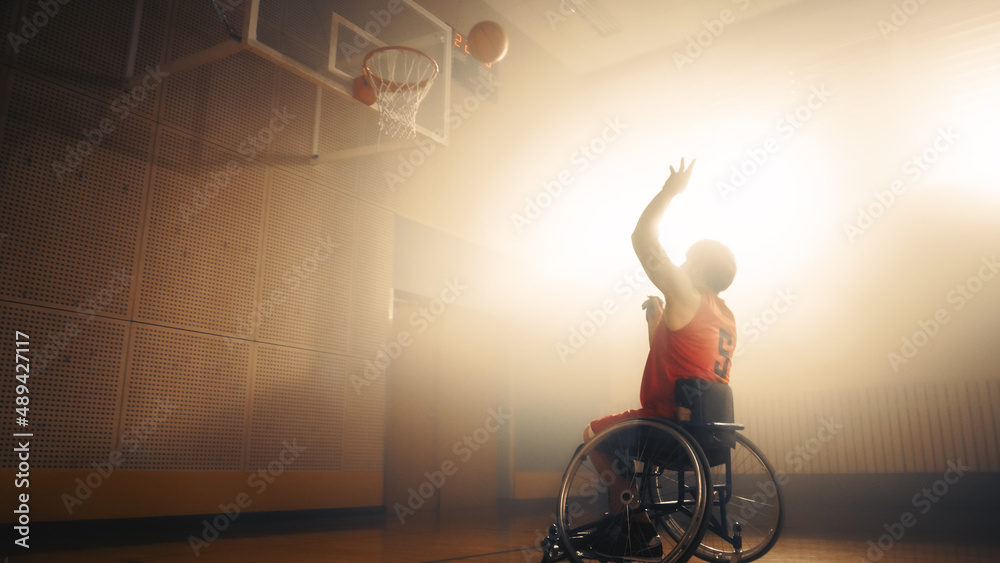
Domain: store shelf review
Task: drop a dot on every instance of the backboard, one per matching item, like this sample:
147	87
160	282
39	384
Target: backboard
331	37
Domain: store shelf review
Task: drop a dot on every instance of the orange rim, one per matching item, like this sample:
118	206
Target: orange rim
379	83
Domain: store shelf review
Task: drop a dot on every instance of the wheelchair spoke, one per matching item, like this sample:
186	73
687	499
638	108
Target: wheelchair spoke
623	488
754	502
751	502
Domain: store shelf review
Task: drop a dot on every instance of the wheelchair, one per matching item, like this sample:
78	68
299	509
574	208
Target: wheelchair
659	490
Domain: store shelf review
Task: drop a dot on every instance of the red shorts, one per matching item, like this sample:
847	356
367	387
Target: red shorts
604	422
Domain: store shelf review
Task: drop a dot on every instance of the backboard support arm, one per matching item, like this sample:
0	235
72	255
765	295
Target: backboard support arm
249	42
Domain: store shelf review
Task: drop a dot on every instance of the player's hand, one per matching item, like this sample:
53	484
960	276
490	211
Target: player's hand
678	179
653	307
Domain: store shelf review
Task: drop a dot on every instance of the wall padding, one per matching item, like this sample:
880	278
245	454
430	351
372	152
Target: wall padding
372	280
338	130
10	13
185	401
298	396
309	251
297	97
73	229
104	28
203	240
229	290
74	380
197	27
227	102
364	426
392	179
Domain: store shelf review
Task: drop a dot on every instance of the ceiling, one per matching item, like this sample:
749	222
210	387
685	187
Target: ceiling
591	35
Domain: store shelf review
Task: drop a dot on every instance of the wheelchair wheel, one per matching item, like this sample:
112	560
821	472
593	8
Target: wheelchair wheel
624	487
751	497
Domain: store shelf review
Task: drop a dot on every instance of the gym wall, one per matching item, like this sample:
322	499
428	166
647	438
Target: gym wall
195	304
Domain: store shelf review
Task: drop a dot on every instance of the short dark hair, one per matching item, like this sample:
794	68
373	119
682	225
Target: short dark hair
719	263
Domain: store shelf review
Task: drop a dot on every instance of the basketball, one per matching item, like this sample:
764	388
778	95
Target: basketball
363	92
488	42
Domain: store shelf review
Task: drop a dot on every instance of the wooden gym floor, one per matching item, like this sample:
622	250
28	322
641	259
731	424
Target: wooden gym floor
468	536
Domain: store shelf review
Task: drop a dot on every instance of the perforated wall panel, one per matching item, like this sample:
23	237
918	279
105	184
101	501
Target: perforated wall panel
152	45
391	179
104	29
227	102
372	280
271	11
9	12
339	122
298	395
234	287
197	26
76	365
364	425
309	252
185	401
5	80
378	188
297	97
73	229
203	241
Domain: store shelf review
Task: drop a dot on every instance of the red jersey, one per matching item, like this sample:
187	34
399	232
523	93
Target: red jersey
703	348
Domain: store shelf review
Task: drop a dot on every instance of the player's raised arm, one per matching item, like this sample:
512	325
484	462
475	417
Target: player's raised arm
682	298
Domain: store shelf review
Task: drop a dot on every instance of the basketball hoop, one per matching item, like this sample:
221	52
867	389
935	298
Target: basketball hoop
400	78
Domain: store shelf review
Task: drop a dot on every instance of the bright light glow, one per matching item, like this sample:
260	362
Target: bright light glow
591	231
762	222
974	155
766	222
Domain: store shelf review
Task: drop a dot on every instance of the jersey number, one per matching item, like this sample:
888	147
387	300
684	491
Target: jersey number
722	369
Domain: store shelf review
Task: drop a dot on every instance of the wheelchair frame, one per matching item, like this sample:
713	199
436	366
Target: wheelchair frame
651	449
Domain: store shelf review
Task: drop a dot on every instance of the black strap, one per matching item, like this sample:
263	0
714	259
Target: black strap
222	17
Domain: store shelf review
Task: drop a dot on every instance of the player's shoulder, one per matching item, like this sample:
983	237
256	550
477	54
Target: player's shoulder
717	303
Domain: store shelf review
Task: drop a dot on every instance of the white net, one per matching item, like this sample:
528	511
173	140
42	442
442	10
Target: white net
400	77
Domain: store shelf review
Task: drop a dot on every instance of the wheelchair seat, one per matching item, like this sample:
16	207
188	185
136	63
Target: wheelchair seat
705	410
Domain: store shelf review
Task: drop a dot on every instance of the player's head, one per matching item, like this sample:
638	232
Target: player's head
712	264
